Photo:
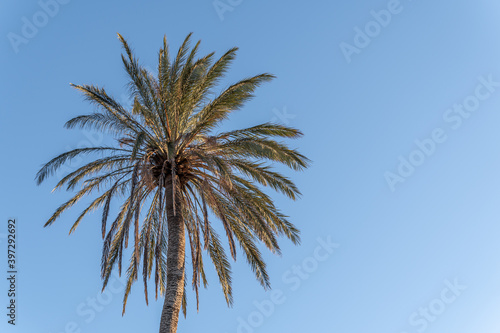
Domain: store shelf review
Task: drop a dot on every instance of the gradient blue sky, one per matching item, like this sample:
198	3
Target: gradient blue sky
398	250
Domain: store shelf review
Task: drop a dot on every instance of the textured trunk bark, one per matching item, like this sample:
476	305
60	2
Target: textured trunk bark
175	263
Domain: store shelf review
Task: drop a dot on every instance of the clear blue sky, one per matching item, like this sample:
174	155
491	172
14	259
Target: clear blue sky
403	128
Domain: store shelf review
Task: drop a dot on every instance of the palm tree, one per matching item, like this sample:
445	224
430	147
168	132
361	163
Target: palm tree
174	176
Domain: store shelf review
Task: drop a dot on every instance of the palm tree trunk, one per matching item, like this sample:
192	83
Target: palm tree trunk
175	263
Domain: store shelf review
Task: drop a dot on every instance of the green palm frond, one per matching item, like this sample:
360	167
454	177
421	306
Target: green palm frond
169	162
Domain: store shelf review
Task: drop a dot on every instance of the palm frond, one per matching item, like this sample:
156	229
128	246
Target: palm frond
168	166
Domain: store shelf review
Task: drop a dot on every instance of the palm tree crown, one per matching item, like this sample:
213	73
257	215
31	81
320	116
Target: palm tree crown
175	176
